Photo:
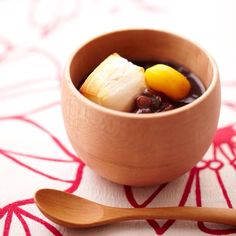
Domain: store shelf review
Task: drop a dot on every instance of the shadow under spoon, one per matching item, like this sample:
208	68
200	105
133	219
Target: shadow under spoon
72	211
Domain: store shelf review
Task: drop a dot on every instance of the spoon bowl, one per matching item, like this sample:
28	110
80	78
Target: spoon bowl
75	212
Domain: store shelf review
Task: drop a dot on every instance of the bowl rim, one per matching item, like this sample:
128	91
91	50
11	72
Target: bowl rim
122	114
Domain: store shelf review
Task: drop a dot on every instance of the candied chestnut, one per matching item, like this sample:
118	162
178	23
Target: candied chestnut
160	102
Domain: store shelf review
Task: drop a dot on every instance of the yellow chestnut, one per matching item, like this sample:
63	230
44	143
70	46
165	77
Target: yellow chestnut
167	80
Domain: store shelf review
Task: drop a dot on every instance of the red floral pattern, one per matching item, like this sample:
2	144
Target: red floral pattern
34	149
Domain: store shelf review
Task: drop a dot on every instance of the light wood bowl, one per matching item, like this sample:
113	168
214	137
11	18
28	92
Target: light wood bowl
136	149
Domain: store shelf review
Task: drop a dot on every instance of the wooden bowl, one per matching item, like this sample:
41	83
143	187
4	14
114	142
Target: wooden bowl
136	149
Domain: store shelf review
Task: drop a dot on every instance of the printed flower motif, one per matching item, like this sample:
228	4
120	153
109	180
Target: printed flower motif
15	212
37	83
57	163
48	15
209	175
5	48
149	6
35	167
38	158
34	149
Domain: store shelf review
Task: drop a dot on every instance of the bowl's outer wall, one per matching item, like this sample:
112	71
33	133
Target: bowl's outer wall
136	151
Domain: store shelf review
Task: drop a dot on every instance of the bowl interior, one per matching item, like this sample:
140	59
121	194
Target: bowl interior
135	45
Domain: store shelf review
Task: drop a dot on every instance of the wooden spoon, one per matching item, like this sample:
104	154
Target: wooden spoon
72	211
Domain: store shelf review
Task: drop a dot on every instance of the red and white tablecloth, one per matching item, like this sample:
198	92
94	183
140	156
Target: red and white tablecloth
36	39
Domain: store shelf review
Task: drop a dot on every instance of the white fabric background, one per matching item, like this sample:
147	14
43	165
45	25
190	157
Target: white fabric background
36	39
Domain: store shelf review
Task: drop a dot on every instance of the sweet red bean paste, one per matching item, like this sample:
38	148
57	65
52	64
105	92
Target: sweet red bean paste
151	101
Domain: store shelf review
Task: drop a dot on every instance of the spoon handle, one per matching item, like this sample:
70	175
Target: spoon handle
204	214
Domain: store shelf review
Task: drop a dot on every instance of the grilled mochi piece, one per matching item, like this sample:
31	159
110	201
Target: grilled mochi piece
115	83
